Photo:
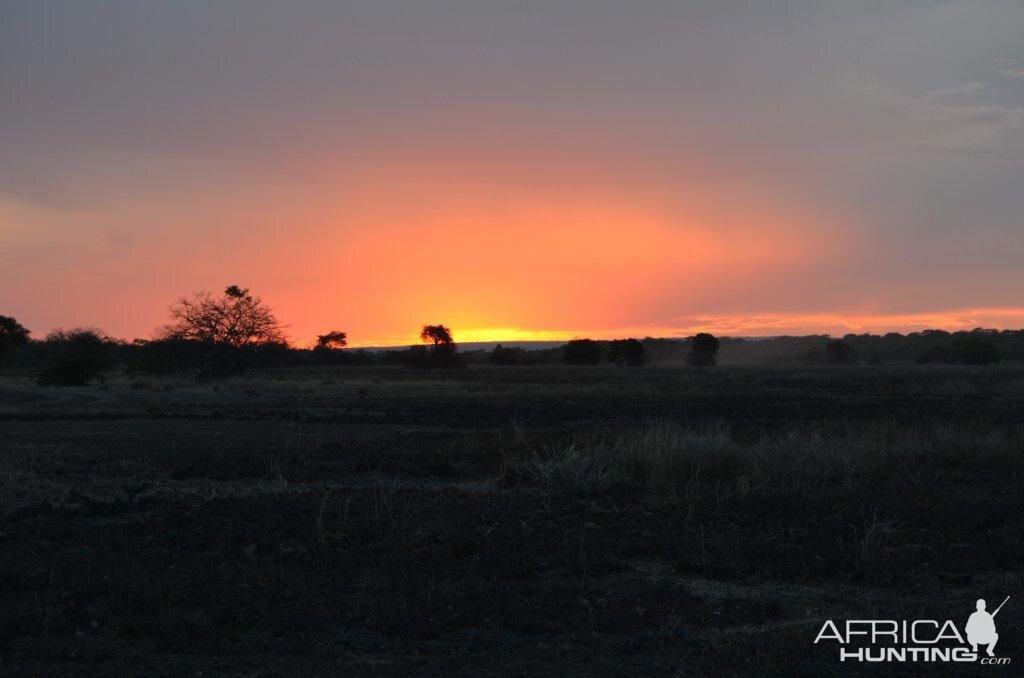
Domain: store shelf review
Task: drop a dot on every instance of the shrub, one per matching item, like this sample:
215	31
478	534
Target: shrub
12	335
703	350
628	352
414	356
74	357
512	355
565	470
581	352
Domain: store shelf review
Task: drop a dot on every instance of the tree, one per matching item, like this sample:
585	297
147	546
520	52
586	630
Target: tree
703	350
581	352
628	352
839	352
332	340
236	319
12	335
443	351
438	334
74	357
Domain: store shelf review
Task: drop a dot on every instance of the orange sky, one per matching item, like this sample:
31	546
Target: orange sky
489	249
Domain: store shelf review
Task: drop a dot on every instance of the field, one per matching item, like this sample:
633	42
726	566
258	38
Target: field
525	520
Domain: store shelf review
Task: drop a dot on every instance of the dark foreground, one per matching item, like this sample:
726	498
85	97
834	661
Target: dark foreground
504	521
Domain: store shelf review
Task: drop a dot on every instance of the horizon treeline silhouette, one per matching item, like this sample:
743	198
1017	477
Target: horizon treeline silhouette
213	337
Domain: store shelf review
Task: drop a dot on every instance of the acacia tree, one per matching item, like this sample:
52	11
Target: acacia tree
236	319
443	352
332	340
439	335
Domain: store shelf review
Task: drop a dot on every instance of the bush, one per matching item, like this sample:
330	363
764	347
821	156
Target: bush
12	336
502	355
628	352
581	352
703	350
445	355
203	359
337	356
414	356
74	357
169	356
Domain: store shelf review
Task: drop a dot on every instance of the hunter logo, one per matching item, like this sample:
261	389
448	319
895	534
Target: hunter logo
920	640
981	627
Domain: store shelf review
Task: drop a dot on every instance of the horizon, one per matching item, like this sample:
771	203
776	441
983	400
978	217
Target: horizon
514	337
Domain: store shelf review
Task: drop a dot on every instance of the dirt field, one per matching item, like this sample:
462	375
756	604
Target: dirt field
525	520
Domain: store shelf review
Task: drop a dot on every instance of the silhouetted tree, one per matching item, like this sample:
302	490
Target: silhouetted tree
439	335
332	340
703	350
628	352
236	319
839	352
581	352
74	357
329	348
12	336
443	351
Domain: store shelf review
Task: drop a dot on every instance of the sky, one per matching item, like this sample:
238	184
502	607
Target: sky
516	170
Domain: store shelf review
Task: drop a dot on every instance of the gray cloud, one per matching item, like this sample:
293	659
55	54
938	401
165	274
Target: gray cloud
1008	68
958	119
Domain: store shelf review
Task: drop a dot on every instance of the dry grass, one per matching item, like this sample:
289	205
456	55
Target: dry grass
875	547
690	466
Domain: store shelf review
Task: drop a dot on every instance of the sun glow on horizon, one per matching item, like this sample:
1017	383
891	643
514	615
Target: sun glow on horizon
743	325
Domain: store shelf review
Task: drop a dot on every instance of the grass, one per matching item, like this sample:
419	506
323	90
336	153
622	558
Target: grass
499	520
677	464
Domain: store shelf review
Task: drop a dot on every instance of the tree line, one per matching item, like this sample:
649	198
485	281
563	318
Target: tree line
214	336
